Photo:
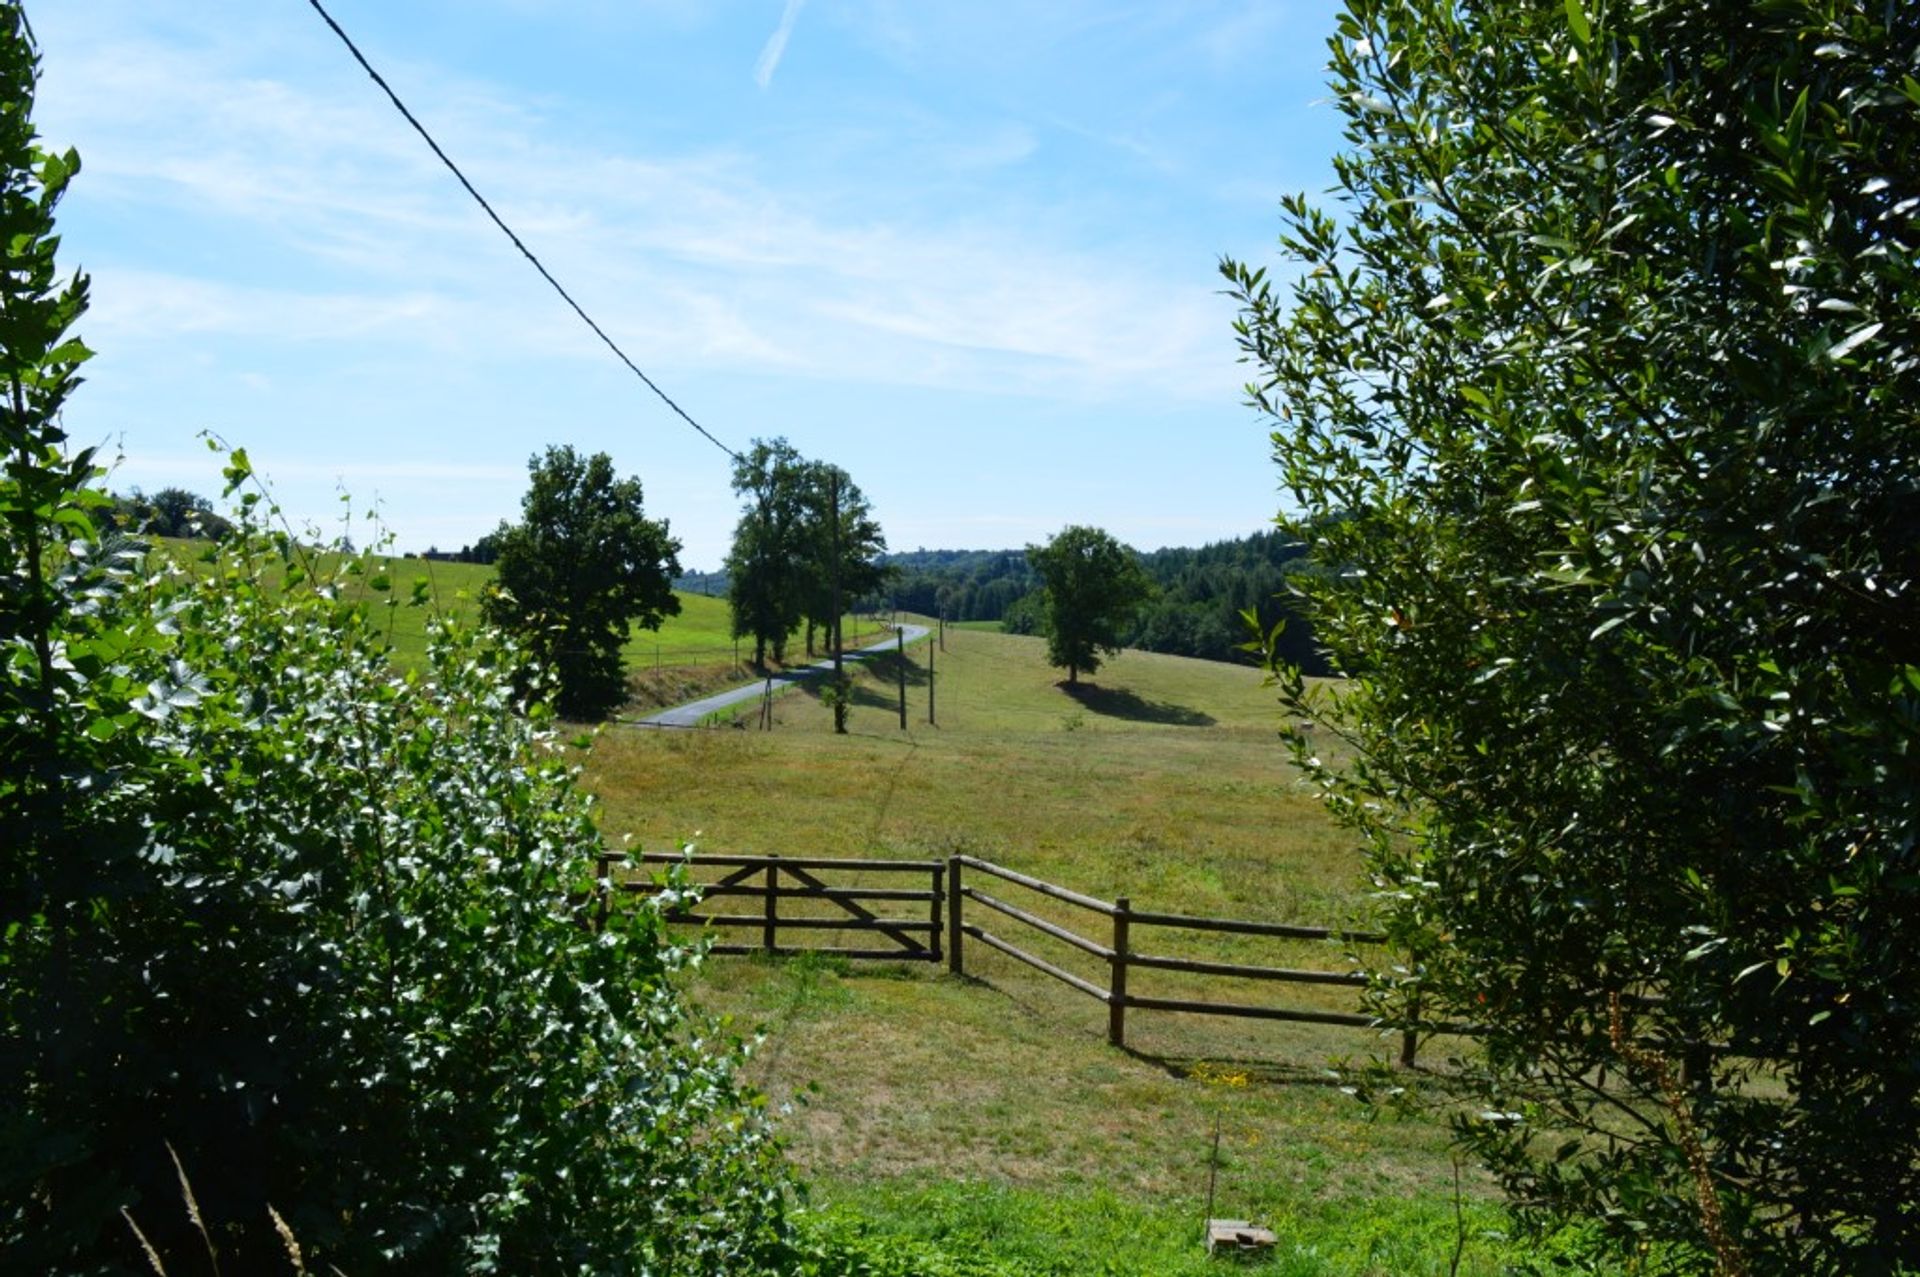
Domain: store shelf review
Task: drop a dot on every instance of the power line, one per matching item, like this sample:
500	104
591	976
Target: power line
506	230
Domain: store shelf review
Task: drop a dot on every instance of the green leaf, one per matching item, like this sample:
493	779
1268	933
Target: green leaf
1577	20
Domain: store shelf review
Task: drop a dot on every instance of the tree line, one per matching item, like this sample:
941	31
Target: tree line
1197	607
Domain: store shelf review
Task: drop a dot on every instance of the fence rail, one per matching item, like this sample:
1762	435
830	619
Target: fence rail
837	906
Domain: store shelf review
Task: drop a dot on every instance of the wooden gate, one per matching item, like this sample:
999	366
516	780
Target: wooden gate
805	896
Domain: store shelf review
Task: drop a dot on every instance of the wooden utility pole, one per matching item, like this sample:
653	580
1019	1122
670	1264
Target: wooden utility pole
833	627
901	630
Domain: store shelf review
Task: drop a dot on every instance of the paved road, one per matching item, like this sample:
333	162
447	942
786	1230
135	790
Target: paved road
690	715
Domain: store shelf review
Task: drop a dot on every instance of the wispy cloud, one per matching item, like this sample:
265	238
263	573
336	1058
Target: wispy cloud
776	46
700	260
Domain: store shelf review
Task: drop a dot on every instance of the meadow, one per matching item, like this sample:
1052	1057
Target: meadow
987	1111
692	653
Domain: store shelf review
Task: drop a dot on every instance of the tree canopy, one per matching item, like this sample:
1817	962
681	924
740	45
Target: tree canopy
1599	406
789	550
583	566
1093	585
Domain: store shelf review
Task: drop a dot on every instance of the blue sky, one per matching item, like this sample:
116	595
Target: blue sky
965	250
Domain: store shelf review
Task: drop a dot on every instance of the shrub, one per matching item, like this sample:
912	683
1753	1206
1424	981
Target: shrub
311	925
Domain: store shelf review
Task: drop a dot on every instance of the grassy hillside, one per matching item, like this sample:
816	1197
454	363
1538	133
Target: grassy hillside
700	636
992	1102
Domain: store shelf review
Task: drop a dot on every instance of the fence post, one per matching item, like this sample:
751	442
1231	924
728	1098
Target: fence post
933	911
954	933
770	930
1117	980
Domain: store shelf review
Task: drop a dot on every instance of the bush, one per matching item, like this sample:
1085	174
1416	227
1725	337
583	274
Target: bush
312	926
1597	407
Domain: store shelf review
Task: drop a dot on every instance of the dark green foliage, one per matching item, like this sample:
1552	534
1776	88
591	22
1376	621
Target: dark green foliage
317	927
484	550
170	512
764	580
583	565
1206	595
1613	370
1093	585
841	560
788	549
962	585
1198	609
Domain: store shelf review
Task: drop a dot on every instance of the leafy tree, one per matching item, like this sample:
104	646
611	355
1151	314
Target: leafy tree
1094	585
582	566
782	567
310	928
180	513
763	567
857	541
1601	411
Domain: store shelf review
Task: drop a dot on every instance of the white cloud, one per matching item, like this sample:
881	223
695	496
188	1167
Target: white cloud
776	46
693	261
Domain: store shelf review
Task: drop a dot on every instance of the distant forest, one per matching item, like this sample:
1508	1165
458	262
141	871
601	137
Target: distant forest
1197	612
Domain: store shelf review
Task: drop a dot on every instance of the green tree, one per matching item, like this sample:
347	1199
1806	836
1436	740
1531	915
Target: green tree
583	565
1093	585
315	930
764	566
788	550
843	557
1600	410
177	512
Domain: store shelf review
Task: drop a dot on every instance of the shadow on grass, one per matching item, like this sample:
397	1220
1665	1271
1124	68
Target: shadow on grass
1241	1072
1118	702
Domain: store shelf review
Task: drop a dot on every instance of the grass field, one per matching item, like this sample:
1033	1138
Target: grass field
917	1095
689	654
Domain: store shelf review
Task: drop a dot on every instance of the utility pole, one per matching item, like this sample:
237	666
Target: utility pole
833	627
901	630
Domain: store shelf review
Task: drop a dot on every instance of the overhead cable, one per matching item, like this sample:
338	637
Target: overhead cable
509	233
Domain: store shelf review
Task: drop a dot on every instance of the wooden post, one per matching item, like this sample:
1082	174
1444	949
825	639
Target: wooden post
933	912
1117	979
770	930
901	630
930	718
954	933
833	626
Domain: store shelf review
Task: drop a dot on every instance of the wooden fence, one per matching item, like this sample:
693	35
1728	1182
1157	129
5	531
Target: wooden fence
950	888
842	908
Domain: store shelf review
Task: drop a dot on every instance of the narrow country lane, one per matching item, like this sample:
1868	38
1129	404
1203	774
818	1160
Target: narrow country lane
691	714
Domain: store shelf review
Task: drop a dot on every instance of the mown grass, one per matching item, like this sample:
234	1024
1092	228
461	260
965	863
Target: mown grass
991	1103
